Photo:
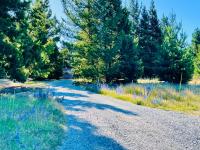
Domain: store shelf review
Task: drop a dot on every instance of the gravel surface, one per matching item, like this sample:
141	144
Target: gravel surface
97	122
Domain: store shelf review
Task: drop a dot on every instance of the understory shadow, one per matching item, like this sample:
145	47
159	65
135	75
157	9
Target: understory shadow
81	135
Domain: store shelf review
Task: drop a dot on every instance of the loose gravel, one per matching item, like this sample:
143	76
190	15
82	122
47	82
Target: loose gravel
97	122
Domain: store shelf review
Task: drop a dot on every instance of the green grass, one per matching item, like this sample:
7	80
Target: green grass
159	95
29	123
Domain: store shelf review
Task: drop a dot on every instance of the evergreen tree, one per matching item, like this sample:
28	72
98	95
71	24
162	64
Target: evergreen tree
177	62
130	64
12	15
150	41
196	50
86	62
110	15
44	60
104	27
155	41
120	55
145	43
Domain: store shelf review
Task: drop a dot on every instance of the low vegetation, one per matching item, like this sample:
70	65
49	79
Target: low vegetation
30	123
155	94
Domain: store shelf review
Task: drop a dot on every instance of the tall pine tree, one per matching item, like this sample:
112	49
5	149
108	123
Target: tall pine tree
120	55
86	61
155	39
150	41
44	60
145	43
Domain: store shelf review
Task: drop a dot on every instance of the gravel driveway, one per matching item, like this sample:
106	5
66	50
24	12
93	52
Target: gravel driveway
97	122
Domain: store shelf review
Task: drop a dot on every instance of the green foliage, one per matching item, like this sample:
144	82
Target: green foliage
150	41
28	38
44	61
196	50
103	42
130	64
144	42
84	49
177	62
12	16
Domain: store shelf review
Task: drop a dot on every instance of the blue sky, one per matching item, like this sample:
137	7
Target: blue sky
187	11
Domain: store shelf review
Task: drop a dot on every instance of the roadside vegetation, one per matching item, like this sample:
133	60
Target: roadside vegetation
154	94
27	122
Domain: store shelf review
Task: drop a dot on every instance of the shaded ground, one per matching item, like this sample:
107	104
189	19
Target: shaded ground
97	122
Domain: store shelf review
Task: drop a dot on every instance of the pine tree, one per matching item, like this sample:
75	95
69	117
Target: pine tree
110	15
177	62
86	62
44	34
120	54
155	39
130	64
145	43
12	30
104	27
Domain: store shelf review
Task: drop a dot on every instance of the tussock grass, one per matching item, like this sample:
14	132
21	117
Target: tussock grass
30	123
158	95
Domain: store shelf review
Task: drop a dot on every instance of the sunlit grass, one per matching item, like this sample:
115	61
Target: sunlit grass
184	98
195	80
30	123
155	80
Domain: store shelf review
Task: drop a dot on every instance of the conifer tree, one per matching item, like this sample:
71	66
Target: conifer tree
145	43
86	62
12	30
120	55
104	27
177	62
155	39
130	64
44	34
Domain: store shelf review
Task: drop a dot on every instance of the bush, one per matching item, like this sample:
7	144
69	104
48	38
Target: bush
22	74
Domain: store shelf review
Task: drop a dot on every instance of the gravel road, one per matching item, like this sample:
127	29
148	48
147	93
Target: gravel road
97	122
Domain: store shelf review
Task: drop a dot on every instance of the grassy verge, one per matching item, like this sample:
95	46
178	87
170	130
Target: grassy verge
154	94
30	123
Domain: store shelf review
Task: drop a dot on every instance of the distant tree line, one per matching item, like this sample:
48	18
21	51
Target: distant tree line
103	41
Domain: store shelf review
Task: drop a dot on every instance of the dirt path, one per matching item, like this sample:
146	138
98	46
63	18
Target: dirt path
97	122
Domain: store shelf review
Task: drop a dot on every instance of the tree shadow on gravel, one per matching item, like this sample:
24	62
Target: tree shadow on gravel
69	94
81	135
81	105
65	84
